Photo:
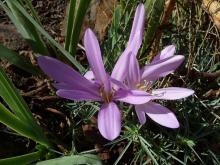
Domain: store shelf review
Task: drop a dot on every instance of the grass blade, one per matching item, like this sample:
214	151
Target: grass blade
70	23
11	96
147	150
26	28
13	122
153	24
77	24
18	60
18	106
122	153
44	33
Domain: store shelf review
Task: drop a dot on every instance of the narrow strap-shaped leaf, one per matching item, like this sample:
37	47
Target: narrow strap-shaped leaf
70	23
18	106
18	60
13	122
26	28
23	159
77	24
11	96
43	32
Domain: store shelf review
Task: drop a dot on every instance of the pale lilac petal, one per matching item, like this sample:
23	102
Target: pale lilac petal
109	121
64	74
160	114
133	72
133	96
120	70
167	52
151	72
63	86
118	84
140	114
89	75
77	95
137	28
93	54
172	93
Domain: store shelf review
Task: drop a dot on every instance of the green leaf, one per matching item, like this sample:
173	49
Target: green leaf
88	159
11	96
70	23
75	21
25	27
18	106
23	159
18	60
45	34
13	122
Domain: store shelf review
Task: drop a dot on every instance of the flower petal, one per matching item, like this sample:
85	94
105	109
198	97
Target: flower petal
62	86
137	28
93	54
120	71
64	74
77	95
89	75
160	114
151	72
172	93
167	52
109	121
133	96
137	32
140	114
133	72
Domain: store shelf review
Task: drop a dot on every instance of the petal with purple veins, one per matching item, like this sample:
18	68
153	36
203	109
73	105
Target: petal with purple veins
160	114
152	72
64	74
119	71
172	93
167	52
133	72
94	57
137	28
135	40
140	114
133	96
78	95
109	121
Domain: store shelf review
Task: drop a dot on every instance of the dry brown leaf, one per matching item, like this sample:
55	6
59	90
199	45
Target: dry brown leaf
213	8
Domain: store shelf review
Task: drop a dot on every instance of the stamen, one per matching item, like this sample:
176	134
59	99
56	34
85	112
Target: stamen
145	86
107	97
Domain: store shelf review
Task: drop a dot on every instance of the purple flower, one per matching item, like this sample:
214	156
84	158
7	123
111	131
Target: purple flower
96	84
137	32
163	64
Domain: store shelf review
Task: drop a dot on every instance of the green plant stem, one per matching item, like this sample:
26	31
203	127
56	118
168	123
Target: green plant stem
147	150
